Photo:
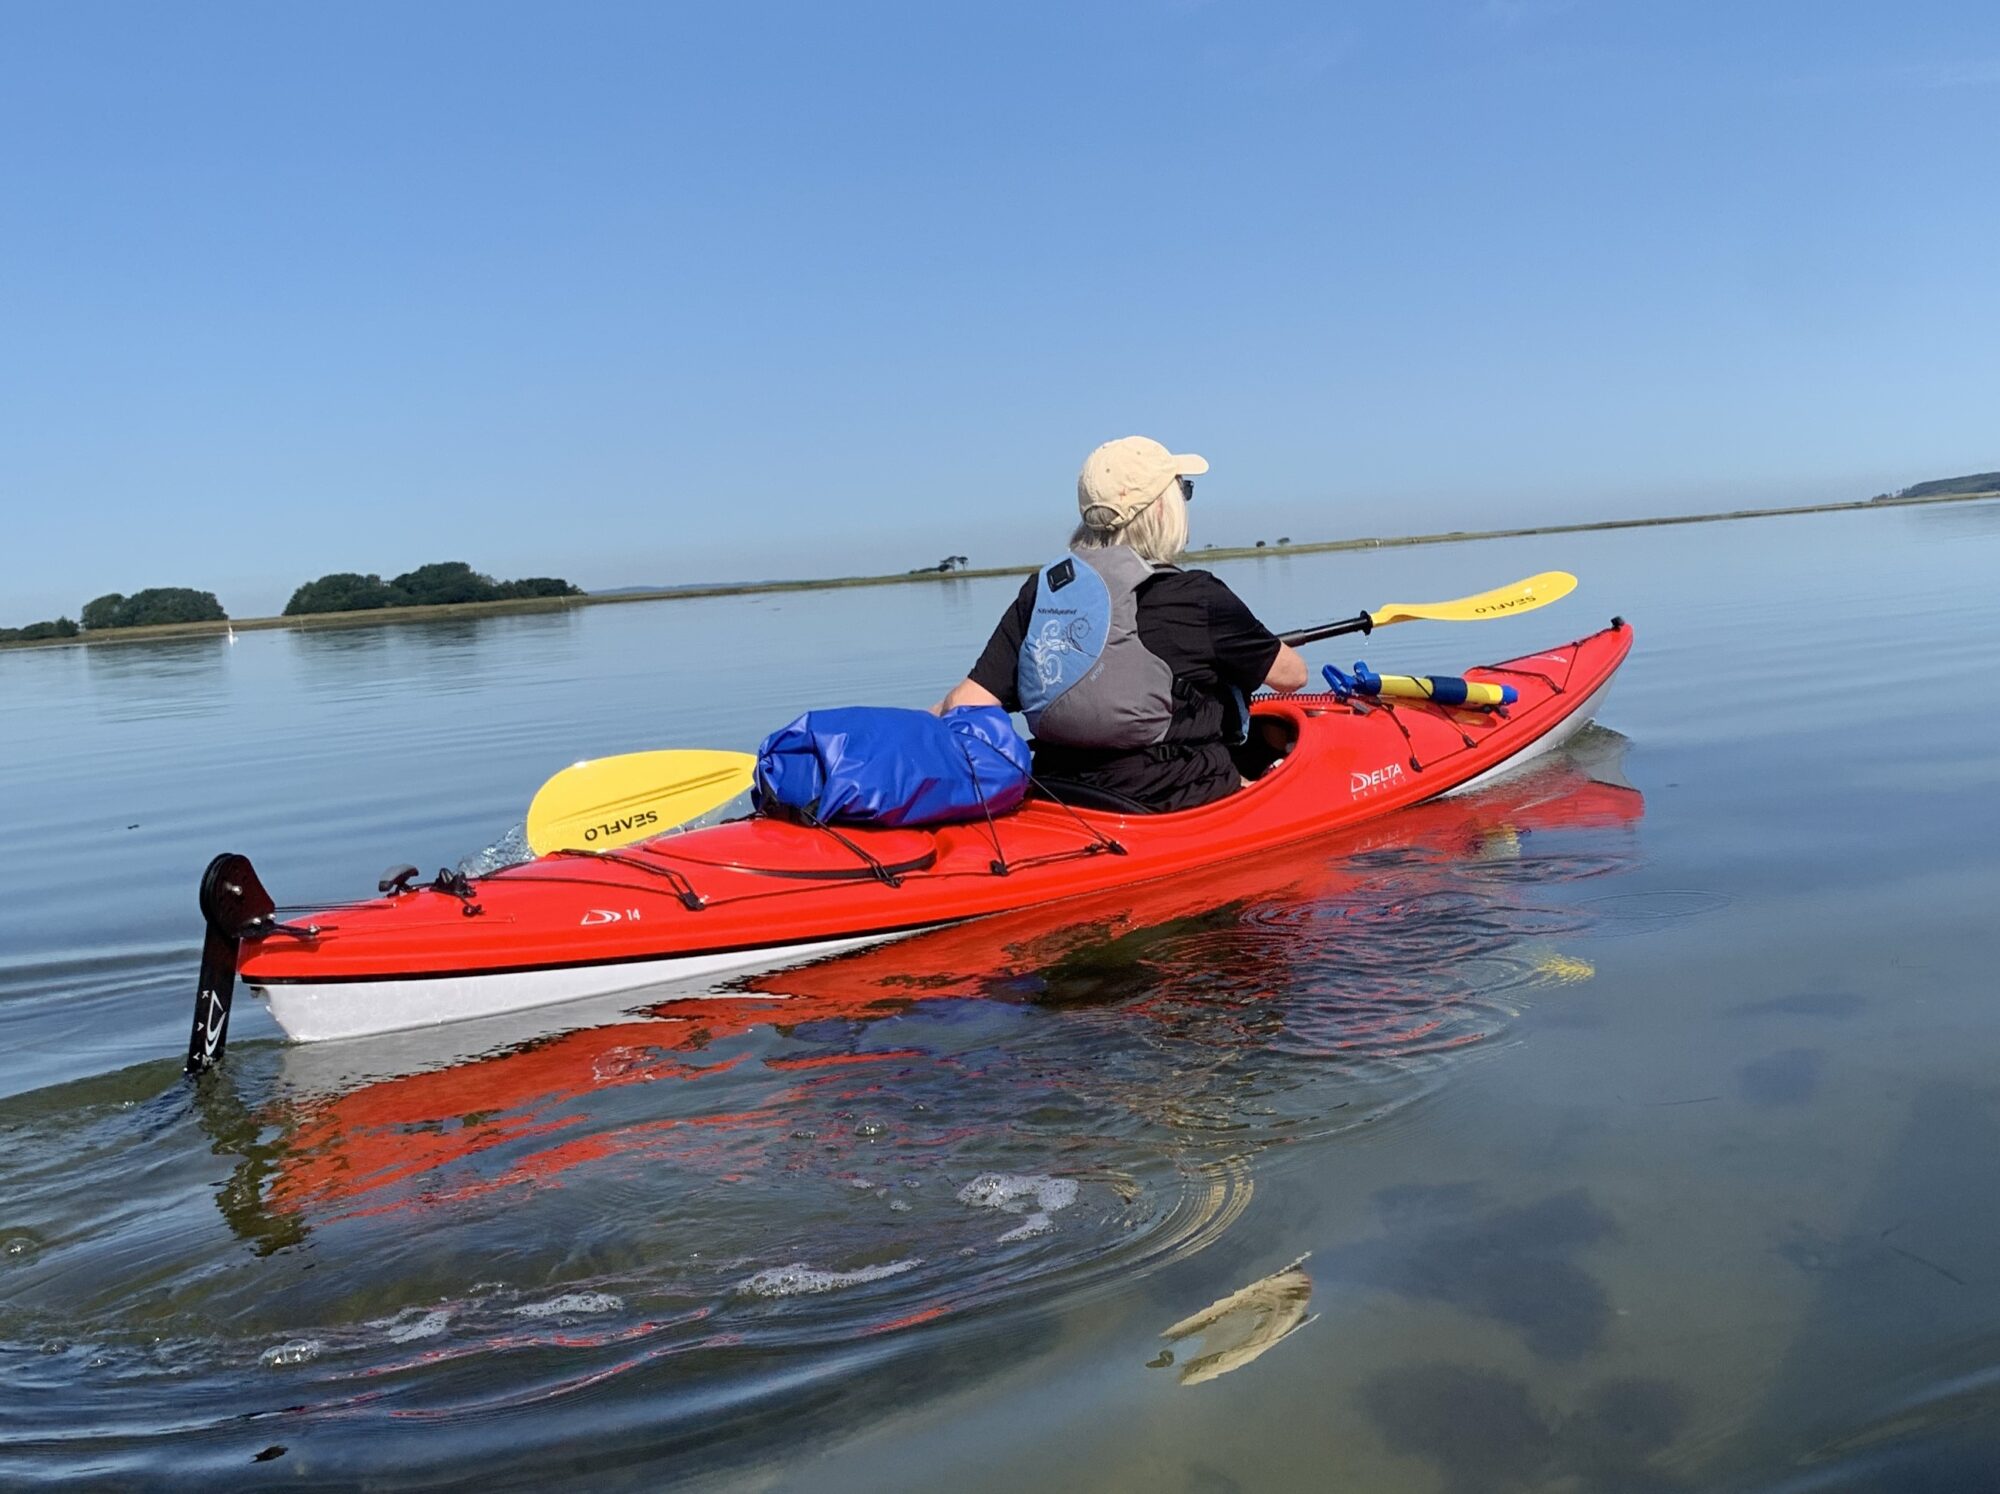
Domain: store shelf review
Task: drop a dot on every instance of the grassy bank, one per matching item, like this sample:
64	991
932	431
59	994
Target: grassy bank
377	616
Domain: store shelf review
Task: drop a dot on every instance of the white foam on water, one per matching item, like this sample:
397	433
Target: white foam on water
1027	1229
571	1302
294	1351
511	849
413	1323
1016	1194
799	1279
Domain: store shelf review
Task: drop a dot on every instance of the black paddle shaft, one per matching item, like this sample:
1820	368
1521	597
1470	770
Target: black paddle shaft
1361	622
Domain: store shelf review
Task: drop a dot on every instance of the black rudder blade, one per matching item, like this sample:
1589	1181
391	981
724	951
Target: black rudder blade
233	903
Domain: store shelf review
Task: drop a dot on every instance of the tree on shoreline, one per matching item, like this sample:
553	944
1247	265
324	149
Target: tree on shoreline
442	583
342	591
103	612
156	604
1972	482
62	627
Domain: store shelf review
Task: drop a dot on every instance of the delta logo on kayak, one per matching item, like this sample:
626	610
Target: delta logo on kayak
618	827
598	916
1365	785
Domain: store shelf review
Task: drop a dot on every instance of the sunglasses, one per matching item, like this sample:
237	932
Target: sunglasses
1187	488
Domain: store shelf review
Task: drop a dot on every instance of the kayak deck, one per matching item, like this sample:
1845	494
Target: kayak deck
759	893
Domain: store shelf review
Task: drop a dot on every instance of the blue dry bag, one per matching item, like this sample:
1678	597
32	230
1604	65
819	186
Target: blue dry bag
878	765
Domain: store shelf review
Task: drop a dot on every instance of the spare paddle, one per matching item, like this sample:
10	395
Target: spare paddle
1502	601
613	801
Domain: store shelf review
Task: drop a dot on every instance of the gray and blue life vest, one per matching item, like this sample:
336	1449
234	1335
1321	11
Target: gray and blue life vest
1084	677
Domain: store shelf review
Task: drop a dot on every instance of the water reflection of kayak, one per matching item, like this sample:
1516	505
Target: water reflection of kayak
1011	954
1454	878
761	894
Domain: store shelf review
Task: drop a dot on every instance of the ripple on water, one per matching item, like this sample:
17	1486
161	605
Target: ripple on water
1629	913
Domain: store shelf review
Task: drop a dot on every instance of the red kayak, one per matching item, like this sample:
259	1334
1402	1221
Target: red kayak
514	1114
760	893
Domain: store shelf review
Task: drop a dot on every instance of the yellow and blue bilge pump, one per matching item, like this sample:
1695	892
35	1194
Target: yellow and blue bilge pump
1444	689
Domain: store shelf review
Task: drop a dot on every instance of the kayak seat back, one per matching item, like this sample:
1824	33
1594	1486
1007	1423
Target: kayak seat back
1269	741
1085	796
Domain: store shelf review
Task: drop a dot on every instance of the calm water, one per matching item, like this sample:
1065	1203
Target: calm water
1635	1126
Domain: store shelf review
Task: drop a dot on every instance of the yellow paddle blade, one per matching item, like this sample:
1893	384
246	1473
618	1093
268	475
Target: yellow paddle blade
1522	596
613	801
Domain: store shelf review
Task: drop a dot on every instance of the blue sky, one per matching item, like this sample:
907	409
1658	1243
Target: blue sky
638	293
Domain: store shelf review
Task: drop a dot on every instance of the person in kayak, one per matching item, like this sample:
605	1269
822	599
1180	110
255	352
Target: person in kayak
1132	672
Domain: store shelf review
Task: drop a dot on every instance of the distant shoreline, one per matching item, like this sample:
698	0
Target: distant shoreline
379	615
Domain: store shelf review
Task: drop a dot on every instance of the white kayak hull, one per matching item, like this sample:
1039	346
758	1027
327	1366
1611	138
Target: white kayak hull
311	1012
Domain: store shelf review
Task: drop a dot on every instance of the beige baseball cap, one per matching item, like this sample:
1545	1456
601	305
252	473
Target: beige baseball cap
1122	477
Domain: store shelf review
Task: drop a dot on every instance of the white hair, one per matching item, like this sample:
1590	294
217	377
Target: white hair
1159	531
